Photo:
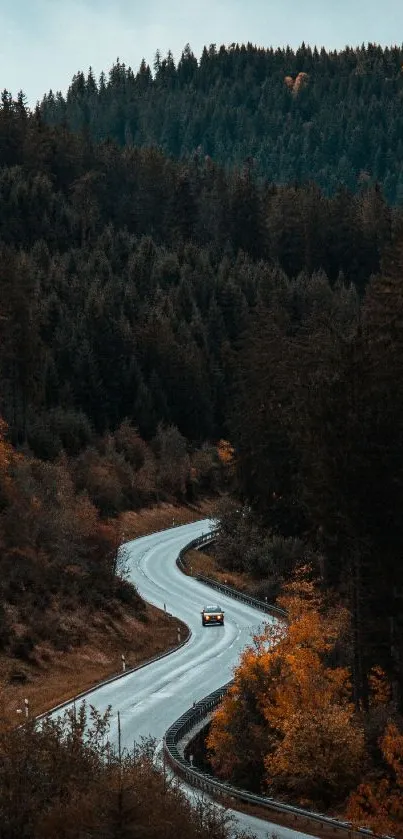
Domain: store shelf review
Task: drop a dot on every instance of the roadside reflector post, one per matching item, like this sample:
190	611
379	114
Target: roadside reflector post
26	703
179	634
123	663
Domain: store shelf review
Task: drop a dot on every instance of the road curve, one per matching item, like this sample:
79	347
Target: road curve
149	700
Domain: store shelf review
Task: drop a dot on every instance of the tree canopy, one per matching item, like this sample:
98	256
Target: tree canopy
333	117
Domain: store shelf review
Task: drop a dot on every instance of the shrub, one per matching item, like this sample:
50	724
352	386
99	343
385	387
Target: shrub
23	647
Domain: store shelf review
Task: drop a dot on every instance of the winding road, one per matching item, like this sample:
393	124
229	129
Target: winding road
149	700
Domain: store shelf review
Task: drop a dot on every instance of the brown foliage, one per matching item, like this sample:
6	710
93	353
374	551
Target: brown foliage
62	779
56	554
173	462
205	469
225	452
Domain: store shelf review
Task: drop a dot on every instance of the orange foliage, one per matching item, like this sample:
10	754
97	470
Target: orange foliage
313	746
300	81
379	804
225	452
380	690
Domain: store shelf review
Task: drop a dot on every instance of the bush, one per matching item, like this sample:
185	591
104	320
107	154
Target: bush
100	477
274	556
205	469
57	430
173	461
129	443
23	647
128	594
5	631
74	784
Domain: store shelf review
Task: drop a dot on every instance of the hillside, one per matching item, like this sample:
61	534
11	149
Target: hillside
148	308
127	278
151	307
330	117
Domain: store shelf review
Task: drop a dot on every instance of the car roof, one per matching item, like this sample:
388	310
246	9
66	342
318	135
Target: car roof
212	609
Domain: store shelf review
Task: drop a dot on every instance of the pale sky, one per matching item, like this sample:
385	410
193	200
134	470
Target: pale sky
44	42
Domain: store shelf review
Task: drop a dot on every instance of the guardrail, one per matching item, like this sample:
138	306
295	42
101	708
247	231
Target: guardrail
201	710
82	695
206	539
114	678
221	790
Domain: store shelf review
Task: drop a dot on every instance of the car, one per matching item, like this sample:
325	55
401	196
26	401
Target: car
211	615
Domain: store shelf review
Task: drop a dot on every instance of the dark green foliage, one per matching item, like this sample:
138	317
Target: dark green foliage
339	124
317	423
126	279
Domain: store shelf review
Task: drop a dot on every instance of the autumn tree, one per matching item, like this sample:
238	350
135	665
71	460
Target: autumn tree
304	732
378	803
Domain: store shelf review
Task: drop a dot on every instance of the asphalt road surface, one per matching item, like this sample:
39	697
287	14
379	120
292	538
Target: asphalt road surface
149	700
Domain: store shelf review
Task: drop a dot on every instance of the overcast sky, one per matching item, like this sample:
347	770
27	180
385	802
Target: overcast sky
44	42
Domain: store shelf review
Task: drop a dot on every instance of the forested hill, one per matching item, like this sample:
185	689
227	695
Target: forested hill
191	302
333	117
126	278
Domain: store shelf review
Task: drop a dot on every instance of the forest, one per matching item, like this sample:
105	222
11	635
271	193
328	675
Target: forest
156	301
299	115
